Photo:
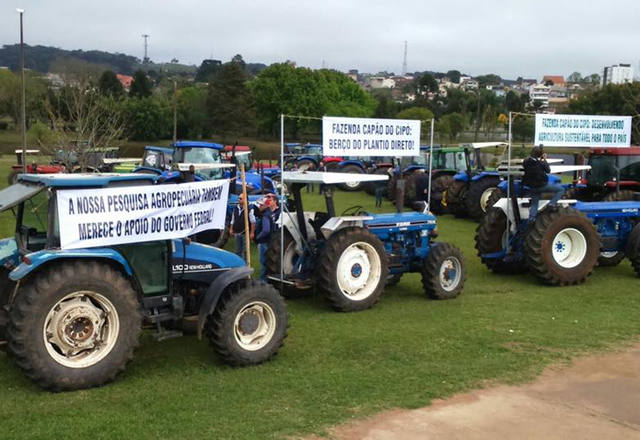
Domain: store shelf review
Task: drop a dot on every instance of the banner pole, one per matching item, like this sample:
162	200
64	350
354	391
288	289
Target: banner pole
430	164
245	207
282	207
509	182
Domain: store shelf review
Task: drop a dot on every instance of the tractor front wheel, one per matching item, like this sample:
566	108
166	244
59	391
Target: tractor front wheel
353	269
633	248
443	271
249	324
610	258
13	177
562	246
74	325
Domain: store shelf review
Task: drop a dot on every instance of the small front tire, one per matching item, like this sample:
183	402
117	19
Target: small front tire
443	271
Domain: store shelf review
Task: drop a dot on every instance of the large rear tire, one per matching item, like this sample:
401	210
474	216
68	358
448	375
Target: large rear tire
443	271
352	269
74	325
370	187
562	246
455	198
352	186
478	196
620	196
491	237
305	165
249	324
633	248
13	177
438	186
273	263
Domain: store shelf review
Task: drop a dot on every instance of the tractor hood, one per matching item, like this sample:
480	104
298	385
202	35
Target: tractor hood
401	220
203	257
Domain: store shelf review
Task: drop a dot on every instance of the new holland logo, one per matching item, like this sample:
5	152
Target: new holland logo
208	267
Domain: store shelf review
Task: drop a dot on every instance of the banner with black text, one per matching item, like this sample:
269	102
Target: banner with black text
370	137
583	131
109	216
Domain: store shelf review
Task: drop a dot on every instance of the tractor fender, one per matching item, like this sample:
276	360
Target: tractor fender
357	163
291	225
414	168
504	204
311	158
149	169
334	224
215	290
484	174
42	258
461	177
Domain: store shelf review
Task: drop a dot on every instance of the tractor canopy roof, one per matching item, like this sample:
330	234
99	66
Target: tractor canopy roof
239	148
329	178
196	144
86	180
630	151
479	145
167	150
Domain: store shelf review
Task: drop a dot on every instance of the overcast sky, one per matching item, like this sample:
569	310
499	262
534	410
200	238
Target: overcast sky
510	38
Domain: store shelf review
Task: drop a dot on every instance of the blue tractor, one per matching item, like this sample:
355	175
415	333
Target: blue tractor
155	160
350	258
468	193
564	243
72	318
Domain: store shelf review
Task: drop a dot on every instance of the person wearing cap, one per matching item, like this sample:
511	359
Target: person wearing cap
265	227
536	170
237	228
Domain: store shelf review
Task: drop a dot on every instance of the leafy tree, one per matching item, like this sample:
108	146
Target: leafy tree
229	101
140	86
594	79
418	113
575	77
454	76
11	96
285	89
523	128
451	125
147	118
110	85
193	117
207	69
386	107
488	80
513	102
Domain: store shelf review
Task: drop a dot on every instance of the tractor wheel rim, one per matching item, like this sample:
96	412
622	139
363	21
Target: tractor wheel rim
484	198
254	326
608	254
450	273
81	329
290	258
569	248
359	270
352	184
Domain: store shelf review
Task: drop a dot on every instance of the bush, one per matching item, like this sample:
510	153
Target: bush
147	118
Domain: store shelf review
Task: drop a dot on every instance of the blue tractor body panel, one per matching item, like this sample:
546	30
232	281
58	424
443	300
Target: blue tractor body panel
197	144
198	253
484	174
40	258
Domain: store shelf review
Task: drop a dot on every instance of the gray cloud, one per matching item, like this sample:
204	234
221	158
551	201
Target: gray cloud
511	38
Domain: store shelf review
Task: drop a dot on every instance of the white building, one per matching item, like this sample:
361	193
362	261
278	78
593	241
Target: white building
380	82
539	93
618	74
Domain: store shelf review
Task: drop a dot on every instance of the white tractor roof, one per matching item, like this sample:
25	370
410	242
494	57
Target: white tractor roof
27	151
329	178
477	145
109	161
519	161
203	166
555	169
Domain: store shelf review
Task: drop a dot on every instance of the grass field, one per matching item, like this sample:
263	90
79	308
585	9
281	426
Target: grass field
334	367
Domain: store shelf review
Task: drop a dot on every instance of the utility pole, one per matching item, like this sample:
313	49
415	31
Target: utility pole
24	99
404	62
175	111
145	60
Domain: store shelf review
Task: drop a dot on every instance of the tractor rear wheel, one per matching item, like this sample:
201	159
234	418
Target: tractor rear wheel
74	325
611	258
495	195
562	246
370	187
478	196
290	258
13	177
352	269
633	248
620	196
443	271
455	198
249	324
438	187
491	237
305	165
351	186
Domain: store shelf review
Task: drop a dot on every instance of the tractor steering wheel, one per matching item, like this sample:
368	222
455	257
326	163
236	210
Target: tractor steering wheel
352	210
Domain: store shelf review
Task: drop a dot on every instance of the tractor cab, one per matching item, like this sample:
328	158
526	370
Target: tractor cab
613	171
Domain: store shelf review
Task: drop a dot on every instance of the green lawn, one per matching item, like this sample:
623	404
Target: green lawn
334	367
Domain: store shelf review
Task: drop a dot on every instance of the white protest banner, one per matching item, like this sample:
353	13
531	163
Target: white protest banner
583	131
109	216
370	137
